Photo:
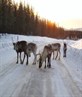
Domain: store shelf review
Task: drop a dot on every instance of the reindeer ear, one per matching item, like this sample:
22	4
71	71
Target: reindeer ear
13	43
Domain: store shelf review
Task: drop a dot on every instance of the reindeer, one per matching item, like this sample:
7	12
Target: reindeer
31	48
20	47
56	47
27	48
47	51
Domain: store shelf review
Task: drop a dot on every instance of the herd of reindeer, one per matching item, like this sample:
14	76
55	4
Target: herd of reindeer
28	48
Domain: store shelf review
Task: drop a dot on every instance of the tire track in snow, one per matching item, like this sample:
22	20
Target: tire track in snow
8	69
68	80
13	81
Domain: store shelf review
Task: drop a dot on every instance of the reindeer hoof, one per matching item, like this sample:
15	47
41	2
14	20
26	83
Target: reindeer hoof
21	62
27	63
33	63
49	66
39	66
16	62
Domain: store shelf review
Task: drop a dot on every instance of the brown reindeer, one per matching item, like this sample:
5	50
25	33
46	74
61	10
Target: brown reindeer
27	48
46	54
56	47
31	48
20	47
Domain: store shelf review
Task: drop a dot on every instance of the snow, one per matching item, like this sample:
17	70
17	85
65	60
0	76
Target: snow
78	44
64	79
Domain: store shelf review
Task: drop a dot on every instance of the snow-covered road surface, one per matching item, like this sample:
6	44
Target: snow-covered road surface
30	81
64	79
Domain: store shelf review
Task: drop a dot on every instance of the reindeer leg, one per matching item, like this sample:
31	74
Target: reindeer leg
23	59
17	57
27	60
53	55
40	64
49	61
45	64
20	58
59	55
56	55
34	59
64	53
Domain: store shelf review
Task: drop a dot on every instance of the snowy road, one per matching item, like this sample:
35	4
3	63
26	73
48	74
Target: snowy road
30	81
64	79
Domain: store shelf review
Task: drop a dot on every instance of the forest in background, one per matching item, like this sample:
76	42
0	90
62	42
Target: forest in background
21	19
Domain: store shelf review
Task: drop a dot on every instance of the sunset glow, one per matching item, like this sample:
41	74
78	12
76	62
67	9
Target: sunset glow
66	13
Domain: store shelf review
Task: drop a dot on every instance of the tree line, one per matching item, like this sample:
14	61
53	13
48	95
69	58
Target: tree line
21	19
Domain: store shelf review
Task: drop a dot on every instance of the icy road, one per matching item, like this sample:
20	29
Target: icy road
29	81
63	79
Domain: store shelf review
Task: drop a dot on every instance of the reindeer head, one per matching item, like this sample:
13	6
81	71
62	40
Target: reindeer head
15	46
39	59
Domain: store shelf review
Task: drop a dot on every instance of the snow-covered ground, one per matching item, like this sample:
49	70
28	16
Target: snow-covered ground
64	79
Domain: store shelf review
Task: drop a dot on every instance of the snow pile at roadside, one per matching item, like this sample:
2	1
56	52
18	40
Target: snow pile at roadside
77	44
73	61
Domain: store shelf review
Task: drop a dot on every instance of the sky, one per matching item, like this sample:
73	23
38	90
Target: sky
66	13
